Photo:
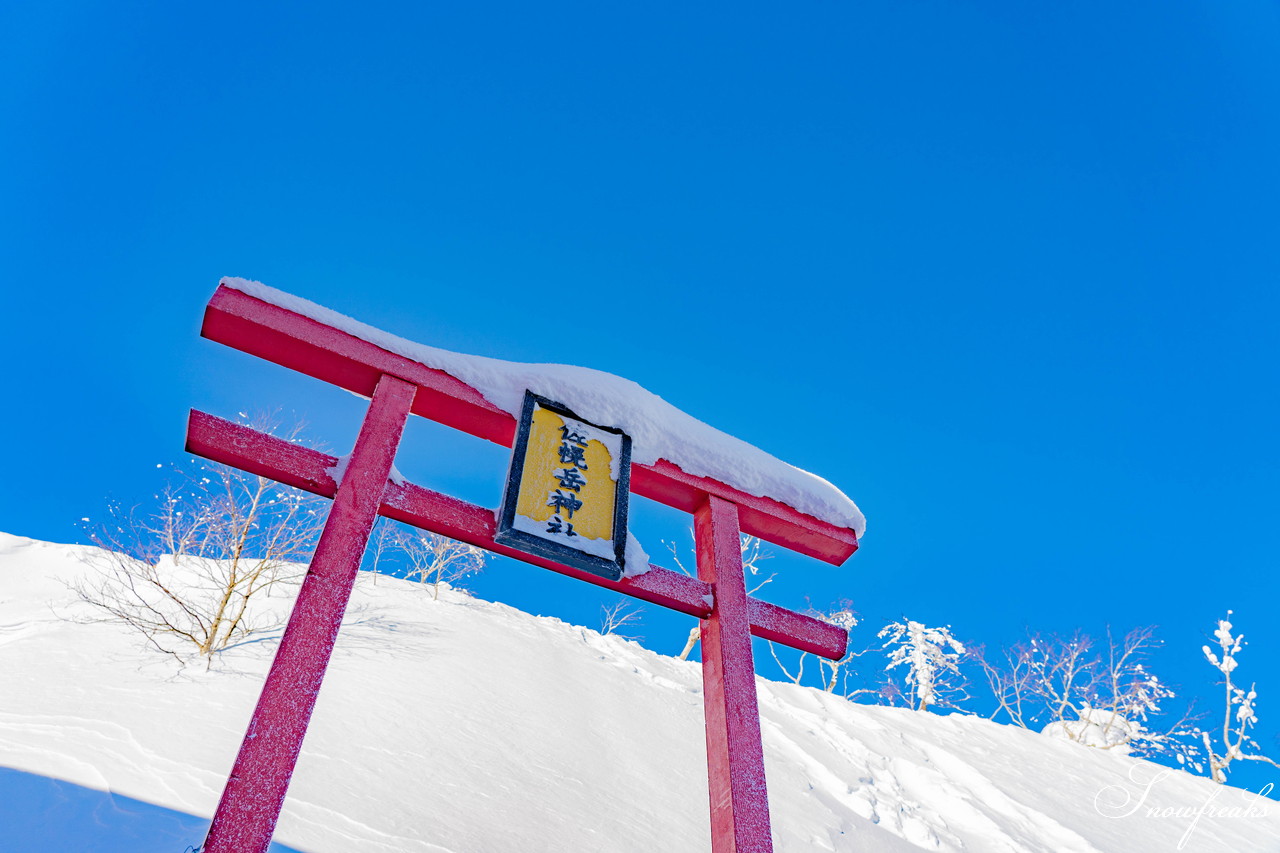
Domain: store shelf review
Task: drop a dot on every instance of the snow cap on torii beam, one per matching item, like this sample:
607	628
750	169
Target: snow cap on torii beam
676	459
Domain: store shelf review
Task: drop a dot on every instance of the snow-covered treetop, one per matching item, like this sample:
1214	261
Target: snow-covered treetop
658	430
930	655
1229	644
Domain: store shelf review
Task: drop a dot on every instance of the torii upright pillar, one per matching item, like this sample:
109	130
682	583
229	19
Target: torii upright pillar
255	791
735	752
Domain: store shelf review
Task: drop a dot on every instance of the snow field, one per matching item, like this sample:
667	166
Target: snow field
468	726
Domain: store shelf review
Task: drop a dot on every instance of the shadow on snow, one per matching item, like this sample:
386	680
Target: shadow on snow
38	813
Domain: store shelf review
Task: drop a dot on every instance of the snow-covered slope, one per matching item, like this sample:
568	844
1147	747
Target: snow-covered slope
462	725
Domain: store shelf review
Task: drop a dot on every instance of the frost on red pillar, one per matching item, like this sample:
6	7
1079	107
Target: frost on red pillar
735	751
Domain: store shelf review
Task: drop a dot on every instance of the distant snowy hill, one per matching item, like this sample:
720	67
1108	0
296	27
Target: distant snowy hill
463	725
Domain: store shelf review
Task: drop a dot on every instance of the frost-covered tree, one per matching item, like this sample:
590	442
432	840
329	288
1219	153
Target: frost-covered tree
931	657
1238	707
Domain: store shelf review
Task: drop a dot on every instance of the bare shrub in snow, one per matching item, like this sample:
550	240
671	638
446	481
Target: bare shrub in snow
1238	708
615	617
931	658
432	558
1104	697
189	575
695	634
753	554
382	541
831	673
836	672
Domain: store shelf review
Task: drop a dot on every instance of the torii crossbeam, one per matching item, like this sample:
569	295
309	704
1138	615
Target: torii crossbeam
399	386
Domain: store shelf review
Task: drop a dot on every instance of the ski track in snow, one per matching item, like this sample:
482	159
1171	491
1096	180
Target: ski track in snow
463	726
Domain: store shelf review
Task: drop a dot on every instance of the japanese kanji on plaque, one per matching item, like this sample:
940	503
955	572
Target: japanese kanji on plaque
567	489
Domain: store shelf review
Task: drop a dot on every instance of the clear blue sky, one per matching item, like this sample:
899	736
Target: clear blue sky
1005	273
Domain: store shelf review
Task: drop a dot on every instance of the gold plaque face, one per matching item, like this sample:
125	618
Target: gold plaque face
567	489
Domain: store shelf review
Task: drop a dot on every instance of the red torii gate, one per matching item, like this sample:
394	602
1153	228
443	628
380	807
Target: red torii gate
399	386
